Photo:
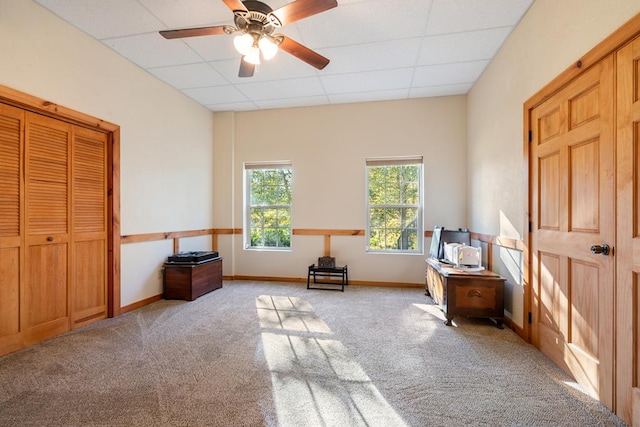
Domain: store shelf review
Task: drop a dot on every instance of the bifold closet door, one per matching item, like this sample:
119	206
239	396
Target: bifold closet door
11	228
89	226
53	227
46	302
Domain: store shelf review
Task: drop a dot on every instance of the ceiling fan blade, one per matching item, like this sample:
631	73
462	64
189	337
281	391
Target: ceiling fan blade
246	69
193	32
303	53
234	5
300	9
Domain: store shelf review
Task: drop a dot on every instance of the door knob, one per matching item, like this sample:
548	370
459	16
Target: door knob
603	249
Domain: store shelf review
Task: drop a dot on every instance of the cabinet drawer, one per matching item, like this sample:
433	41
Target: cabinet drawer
475	297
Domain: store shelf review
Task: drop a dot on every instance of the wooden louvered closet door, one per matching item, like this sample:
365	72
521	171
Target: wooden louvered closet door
46	302
11	131
89	226
53	227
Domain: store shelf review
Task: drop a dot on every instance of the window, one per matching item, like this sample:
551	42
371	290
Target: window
268	205
394	205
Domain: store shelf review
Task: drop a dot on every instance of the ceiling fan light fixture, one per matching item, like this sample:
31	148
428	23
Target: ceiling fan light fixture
256	22
268	48
243	43
253	56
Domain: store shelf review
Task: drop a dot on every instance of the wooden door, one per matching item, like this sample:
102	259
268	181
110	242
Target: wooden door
11	146
89	226
573	207
628	233
45	305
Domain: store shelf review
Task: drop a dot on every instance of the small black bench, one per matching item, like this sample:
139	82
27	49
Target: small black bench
325	272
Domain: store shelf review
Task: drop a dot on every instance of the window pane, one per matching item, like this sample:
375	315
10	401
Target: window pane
284	218
269	219
376	238
376	193
392	196
409	217
394	199
256	217
256	237
376	217
411	193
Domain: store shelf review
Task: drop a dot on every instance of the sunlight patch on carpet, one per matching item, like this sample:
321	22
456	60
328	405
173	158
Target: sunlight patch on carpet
289	313
316	381
433	310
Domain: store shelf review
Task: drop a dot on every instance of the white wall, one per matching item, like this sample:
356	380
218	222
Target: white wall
166	138
550	38
328	146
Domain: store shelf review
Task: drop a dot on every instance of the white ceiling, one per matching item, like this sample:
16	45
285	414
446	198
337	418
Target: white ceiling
379	49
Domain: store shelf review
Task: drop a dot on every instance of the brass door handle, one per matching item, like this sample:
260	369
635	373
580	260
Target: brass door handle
603	249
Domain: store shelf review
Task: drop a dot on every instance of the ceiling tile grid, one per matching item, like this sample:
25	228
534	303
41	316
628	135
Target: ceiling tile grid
378	49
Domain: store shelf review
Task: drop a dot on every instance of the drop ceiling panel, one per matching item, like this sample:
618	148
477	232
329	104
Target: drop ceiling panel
441	90
448	74
149	51
461	47
378	49
216	95
276	89
368	81
454	16
380	95
189	76
105	18
373	56
188	13
366	22
212	48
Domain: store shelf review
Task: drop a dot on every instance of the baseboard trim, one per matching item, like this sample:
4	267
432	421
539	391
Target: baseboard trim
304	280
140	304
268	279
515	328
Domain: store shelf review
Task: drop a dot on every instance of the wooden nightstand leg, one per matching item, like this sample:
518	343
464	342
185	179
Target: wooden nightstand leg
449	319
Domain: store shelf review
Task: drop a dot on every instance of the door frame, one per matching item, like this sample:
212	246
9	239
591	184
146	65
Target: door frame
624	319
47	108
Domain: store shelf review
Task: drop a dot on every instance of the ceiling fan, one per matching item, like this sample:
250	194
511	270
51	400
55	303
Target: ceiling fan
255	22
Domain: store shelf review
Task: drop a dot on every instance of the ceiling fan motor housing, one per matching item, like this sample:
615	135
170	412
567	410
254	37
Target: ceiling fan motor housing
256	19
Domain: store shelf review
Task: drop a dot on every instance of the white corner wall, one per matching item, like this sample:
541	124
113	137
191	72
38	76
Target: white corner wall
166	138
328	146
551	36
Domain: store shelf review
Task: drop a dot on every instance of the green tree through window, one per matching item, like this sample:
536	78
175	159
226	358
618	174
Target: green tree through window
269	207
394	205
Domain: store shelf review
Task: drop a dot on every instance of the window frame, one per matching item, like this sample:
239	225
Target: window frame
248	168
396	161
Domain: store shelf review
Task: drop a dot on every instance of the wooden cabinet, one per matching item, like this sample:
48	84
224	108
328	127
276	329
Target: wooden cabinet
461	293
189	281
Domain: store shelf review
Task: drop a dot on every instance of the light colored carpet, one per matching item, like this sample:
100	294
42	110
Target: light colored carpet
275	354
